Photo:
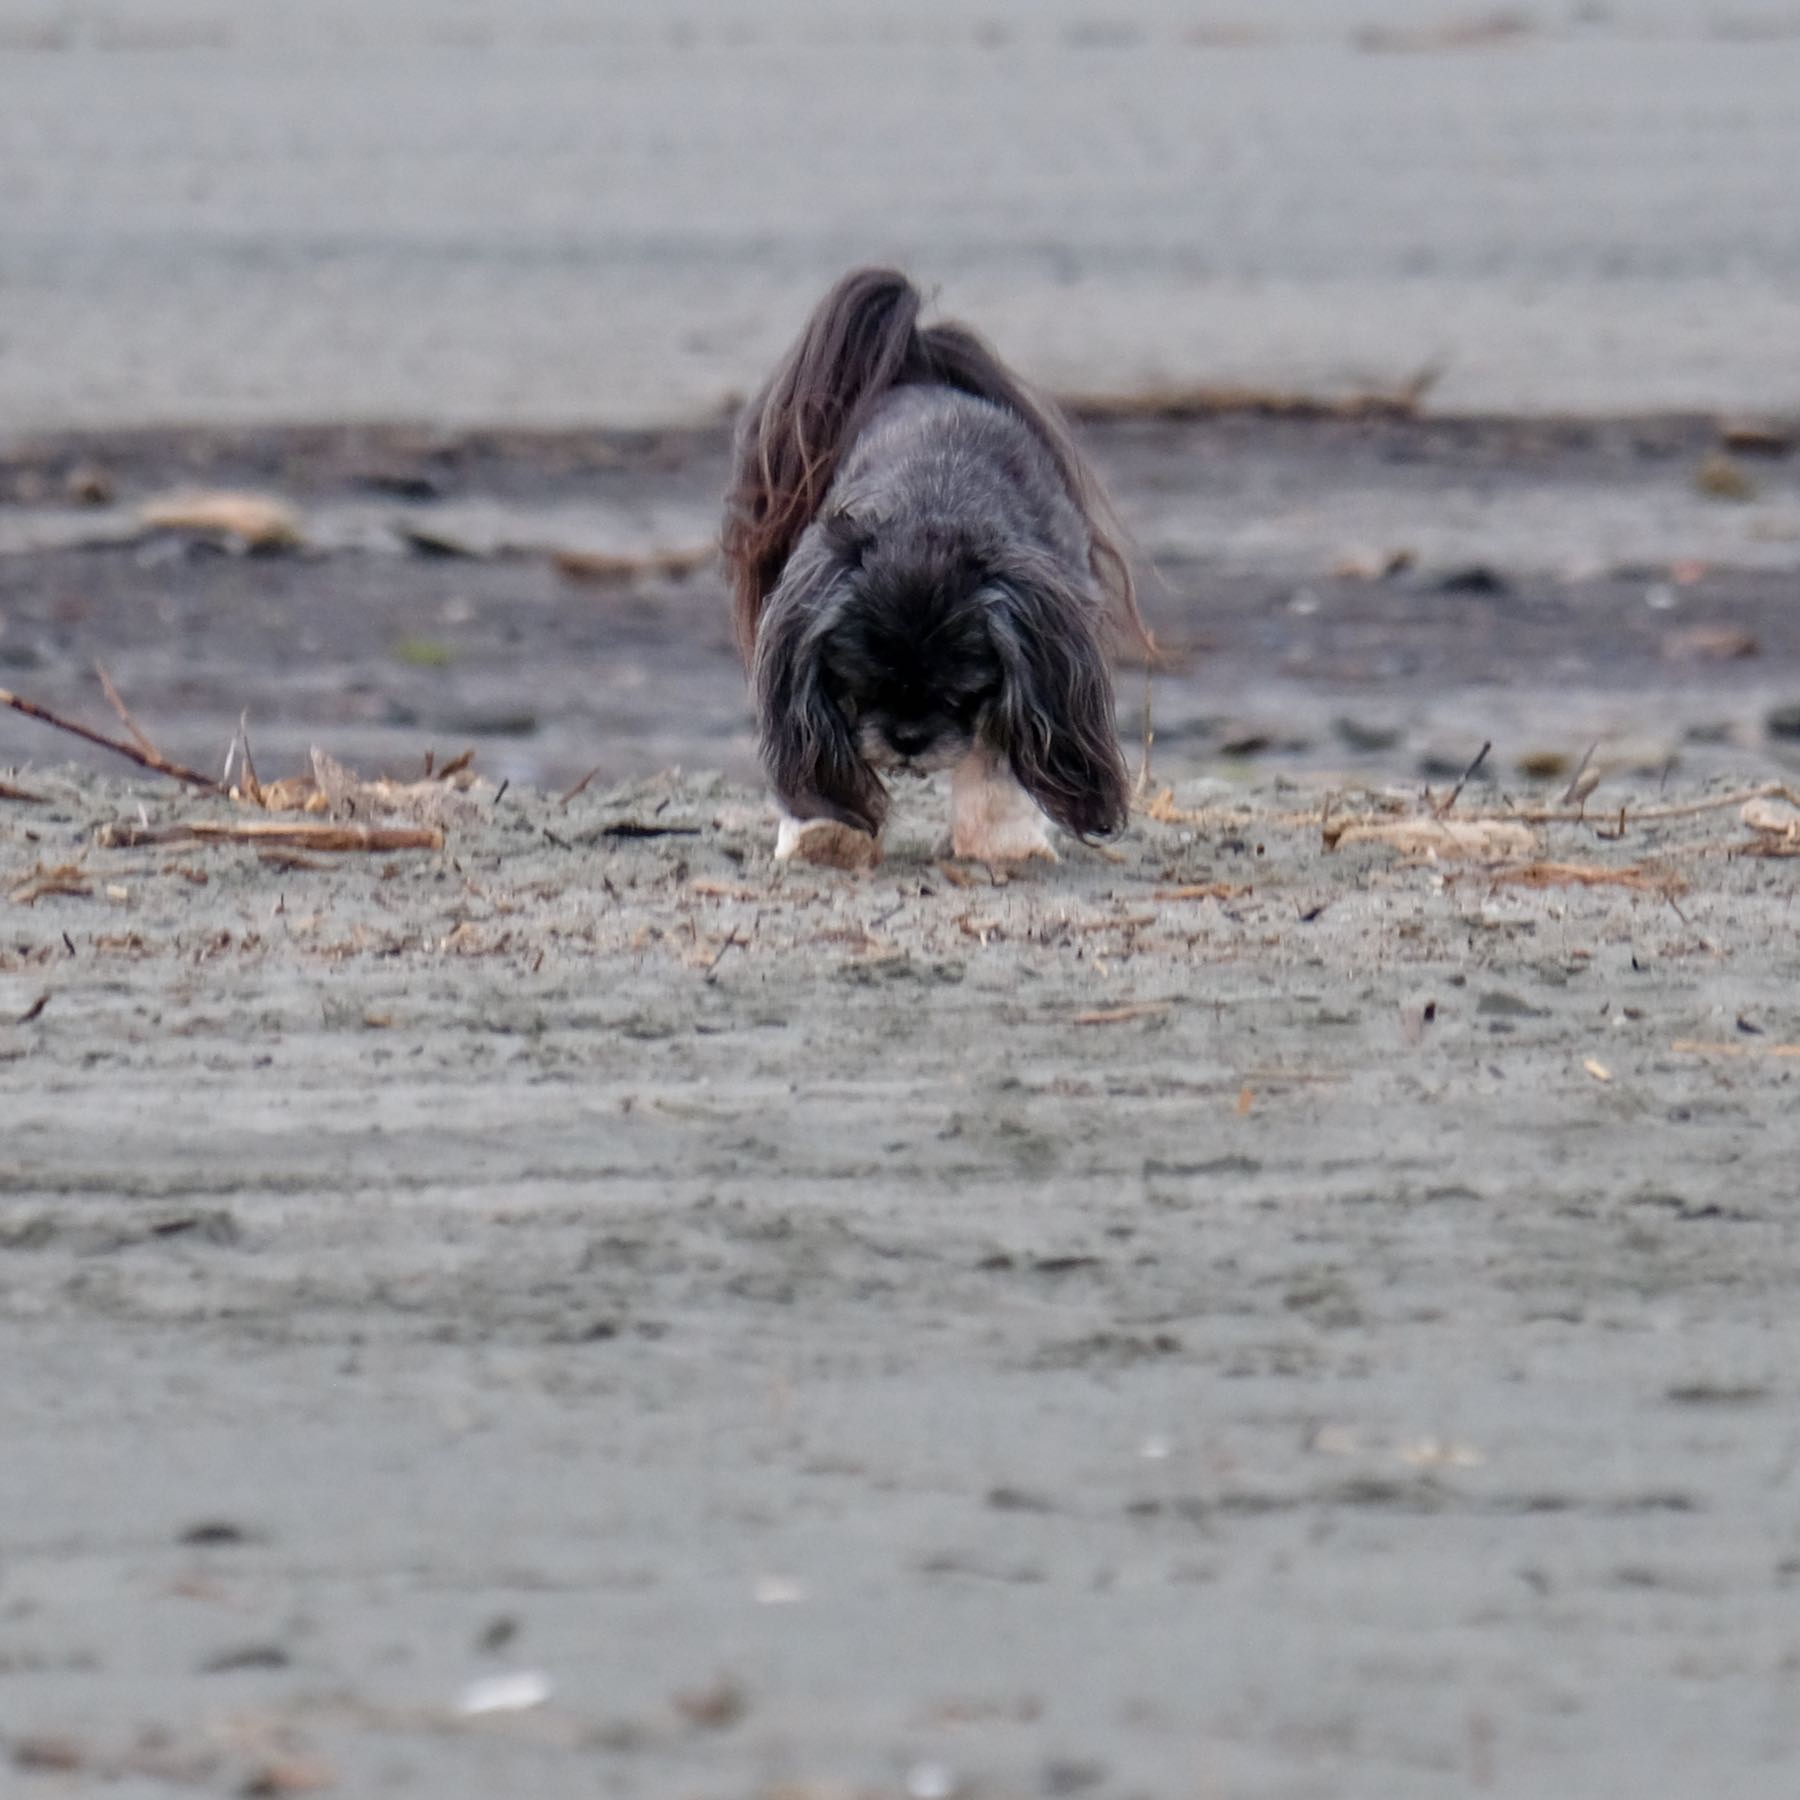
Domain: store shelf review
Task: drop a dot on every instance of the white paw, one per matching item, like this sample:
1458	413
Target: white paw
826	844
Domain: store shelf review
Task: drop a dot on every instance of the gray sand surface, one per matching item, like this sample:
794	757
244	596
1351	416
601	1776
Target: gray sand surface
1373	596
251	210
1329	1335
581	1312
753	1304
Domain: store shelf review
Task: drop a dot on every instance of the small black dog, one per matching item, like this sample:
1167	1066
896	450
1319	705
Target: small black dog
924	570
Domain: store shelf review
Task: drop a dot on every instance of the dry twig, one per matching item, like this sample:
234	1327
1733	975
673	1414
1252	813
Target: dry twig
1450	799
125	715
1646	815
1202	890
1117	1015
1561	874
44	880
152	758
299	834
580	787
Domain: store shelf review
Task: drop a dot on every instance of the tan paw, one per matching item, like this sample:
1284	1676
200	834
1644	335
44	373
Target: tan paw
826	844
1015	840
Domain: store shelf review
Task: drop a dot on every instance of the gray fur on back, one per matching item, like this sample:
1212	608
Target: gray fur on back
933	462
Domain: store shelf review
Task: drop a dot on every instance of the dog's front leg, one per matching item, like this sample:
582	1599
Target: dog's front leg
826	843
992	818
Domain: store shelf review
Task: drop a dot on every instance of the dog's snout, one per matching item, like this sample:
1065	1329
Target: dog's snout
909	740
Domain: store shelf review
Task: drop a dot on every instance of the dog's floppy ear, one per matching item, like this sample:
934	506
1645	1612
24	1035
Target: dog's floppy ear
1054	718
807	745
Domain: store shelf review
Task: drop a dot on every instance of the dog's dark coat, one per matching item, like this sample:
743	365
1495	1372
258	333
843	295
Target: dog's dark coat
924	566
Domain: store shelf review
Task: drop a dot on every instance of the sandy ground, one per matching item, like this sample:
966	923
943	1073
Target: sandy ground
754	1309
1228	1318
580	1311
1221	1317
1367	596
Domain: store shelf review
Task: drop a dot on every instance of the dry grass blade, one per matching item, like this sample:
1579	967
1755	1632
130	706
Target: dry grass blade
1585	779
295	834
1473	840
238	757
1444	806
22	795
1698	1047
1118	1015
580	787
126	717
44	880
1647	815
733	939
1162	810
1142	786
145	759
441	800
1562	874
1201	890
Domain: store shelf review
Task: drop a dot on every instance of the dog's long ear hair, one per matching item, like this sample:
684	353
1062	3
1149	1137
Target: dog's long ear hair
1054	717
808	746
863	340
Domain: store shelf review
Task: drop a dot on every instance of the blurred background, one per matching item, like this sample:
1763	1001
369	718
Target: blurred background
1444	357
503	210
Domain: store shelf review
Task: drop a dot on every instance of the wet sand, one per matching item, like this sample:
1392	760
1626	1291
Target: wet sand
584	1310
1225	1316
1372	596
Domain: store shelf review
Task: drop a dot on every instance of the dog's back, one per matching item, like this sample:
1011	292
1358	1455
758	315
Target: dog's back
850	373
934	462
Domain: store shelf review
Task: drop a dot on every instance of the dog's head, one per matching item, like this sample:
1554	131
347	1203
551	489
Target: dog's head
881	652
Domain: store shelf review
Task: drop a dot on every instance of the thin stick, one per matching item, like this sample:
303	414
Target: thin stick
1770	790
313	835
1555	874
157	763
581	786
1143	780
118	705
254	789
1450	799
731	942
1575	791
1117	1015
9	792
